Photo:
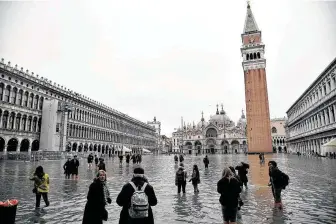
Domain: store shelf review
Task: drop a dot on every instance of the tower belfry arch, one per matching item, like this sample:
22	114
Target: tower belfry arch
256	95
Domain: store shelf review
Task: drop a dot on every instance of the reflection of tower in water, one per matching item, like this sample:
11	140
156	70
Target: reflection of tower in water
259	177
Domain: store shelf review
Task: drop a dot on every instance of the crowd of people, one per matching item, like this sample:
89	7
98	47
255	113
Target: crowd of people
137	196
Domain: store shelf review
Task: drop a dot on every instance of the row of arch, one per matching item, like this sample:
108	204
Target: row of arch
79	131
13	145
253	56
91	118
20	122
19	97
280	141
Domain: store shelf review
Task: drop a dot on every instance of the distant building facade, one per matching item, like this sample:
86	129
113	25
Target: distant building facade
278	134
165	144
39	115
157	125
218	135
311	119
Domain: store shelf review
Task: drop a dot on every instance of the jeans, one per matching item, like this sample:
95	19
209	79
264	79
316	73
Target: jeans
183	185
38	199
276	194
206	166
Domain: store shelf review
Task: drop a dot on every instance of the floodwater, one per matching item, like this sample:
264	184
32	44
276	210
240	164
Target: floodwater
309	198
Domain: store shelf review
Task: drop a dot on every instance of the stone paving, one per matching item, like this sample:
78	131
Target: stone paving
310	197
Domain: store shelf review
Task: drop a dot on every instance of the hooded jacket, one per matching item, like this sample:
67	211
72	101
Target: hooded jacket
124	200
179	172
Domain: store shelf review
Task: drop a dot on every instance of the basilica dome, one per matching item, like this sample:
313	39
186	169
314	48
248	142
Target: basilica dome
242	120
199	125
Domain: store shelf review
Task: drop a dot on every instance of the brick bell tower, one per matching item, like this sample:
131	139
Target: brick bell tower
256	96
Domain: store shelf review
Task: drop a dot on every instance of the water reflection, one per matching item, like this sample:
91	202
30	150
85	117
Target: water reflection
309	198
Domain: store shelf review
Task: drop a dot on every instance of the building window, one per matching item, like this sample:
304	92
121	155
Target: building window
274	130
57	127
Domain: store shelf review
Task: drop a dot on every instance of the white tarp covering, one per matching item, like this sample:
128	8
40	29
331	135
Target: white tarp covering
329	147
146	151
124	149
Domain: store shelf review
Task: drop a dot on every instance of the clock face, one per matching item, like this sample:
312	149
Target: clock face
251	40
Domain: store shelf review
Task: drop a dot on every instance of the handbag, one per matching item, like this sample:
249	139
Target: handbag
34	190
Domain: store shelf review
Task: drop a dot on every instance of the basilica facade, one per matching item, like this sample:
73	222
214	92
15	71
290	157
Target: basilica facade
37	114
217	135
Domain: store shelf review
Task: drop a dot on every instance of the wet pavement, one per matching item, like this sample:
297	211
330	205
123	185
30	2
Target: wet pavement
309	198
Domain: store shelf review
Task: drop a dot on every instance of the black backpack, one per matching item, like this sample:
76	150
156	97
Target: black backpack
284	180
180	176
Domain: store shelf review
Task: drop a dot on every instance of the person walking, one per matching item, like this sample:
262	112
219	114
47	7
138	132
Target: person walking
67	168
206	162
240	201
41	186
181	179
101	165
136	199
278	181
176	159
195	178
98	197
229	189
128	158
181	158
242	172
74	164
96	160
90	160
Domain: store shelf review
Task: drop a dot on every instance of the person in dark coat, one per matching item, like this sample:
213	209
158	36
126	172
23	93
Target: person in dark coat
229	189
240	201
67	168
206	162
74	164
96	160
176	159
181	179
90	160
101	165
133	158
195	178
276	182
124	198
242	172
128	158
97	198
181	158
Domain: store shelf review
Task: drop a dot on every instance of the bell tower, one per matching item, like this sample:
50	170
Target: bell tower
256	95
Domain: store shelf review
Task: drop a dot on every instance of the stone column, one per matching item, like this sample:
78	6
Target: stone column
334	114
1	119
331	115
326	117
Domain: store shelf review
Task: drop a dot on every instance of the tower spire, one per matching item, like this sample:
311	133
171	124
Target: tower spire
202	119
250	23
217	112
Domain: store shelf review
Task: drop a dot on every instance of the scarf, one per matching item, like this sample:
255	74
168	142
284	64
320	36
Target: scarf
106	192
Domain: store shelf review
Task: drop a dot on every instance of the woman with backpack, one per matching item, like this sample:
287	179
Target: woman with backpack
136	199
278	181
97	198
181	179
229	189
195	178
41	186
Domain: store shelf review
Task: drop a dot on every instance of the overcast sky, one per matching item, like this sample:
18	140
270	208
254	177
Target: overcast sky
169	58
